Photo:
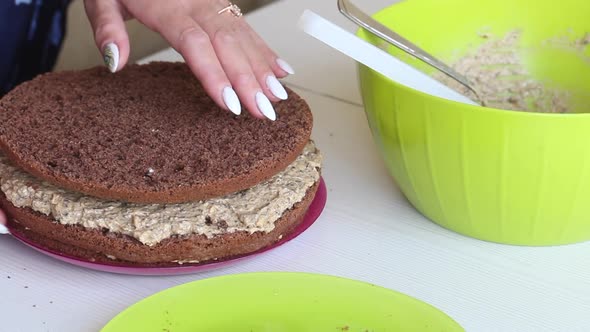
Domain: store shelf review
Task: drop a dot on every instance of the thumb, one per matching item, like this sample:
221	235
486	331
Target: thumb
108	23
3	221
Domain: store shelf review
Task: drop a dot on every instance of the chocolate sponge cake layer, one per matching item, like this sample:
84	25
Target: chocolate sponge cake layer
147	134
96	245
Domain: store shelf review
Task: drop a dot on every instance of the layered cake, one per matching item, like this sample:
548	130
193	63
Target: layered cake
142	168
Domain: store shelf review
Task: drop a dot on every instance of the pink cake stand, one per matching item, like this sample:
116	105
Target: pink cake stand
314	211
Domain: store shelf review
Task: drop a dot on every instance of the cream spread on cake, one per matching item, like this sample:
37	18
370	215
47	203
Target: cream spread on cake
253	210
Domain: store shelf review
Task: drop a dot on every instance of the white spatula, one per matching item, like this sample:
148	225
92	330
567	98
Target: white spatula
375	58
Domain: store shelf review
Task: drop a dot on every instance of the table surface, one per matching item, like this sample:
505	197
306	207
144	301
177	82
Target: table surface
368	231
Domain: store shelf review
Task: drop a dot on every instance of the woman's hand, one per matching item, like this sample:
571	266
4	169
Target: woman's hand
3	221
232	62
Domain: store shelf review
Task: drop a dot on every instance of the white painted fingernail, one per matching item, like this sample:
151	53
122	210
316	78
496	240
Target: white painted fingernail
110	56
230	98
285	66
265	106
276	87
3	229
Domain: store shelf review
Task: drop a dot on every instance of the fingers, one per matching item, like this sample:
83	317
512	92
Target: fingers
170	19
108	23
3	222
195	46
215	57
280	67
232	62
262	68
239	70
251	71
246	67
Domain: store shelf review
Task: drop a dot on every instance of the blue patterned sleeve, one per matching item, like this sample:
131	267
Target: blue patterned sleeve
33	32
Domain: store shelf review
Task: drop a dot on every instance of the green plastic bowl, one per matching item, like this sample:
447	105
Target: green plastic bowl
502	176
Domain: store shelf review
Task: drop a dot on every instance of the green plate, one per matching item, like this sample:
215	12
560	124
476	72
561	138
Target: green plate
280	302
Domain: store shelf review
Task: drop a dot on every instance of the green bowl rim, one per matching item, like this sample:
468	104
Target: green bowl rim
500	111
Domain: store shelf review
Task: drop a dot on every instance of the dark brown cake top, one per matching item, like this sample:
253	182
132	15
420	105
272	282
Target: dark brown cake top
147	134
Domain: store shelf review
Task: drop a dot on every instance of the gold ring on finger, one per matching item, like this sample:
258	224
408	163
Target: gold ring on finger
233	9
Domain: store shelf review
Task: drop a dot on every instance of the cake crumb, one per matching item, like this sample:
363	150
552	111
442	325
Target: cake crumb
150	171
484	35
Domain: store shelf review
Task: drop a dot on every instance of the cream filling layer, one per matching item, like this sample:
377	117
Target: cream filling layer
253	210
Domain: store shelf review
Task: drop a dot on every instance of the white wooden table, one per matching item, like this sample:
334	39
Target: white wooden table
368	231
